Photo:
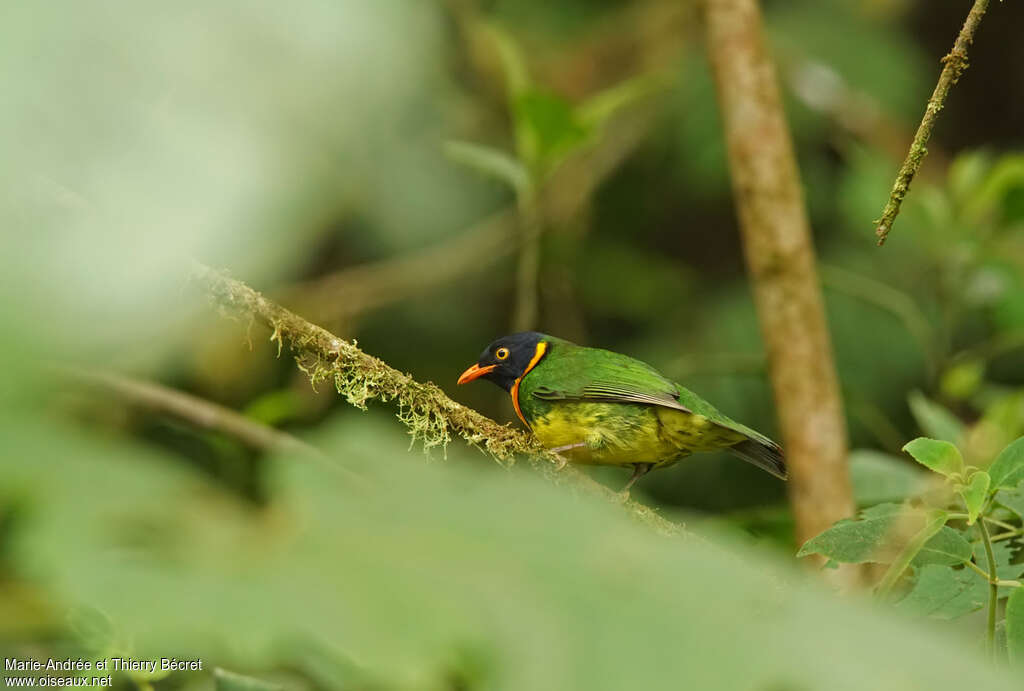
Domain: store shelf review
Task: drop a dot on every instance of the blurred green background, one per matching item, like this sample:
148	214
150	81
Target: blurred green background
307	149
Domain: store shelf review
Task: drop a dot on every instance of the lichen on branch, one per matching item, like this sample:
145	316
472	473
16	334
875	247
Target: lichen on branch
431	416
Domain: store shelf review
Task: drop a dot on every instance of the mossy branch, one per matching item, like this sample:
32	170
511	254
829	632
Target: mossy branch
431	417
954	65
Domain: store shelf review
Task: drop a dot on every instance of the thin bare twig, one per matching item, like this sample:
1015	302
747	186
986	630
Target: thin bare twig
197	411
429	414
955	64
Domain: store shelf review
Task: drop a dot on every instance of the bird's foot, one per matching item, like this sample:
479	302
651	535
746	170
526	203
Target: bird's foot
562	460
639	470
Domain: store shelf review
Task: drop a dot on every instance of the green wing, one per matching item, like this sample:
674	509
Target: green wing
602	375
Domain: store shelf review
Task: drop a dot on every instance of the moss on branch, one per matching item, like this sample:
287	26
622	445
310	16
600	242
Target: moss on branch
431	416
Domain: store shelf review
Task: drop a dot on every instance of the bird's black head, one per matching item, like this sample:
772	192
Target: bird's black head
507	359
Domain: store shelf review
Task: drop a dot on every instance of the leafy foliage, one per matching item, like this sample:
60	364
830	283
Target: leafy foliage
945	569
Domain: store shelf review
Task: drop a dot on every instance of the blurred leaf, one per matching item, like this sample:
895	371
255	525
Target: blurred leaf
275	407
492	162
230	681
1015	625
547	129
1008	468
975	493
405	575
1006	174
963	379
879	477
935	420
940	456
966	173
602	106
92	628
517	75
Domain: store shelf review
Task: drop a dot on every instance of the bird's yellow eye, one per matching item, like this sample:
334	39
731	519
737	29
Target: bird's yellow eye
501	353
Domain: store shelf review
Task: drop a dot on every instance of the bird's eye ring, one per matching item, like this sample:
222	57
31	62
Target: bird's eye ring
501	353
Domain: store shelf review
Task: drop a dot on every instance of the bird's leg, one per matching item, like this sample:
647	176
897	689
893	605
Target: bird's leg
639	470
562	460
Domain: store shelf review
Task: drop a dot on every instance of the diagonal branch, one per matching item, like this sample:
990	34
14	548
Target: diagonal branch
955	64
432	417
197	411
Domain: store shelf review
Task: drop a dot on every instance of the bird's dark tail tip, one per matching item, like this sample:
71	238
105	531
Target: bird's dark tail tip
766	456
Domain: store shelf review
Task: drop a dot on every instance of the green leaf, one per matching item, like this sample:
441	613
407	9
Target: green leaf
546	129
975	493
947	548
934	419
1008	468
493	162
231	681
597	109
943	592
1013	499
861	540
935	522
1015	626
941	456
963	379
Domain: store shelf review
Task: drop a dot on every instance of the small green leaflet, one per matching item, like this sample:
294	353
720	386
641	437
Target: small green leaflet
1008	468
940	456
1015	625
975	493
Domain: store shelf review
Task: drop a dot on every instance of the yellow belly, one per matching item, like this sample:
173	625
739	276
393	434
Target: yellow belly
623	434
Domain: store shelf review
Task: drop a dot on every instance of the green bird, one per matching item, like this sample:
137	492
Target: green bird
596	407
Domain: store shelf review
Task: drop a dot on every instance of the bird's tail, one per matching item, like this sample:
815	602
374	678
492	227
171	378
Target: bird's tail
765	455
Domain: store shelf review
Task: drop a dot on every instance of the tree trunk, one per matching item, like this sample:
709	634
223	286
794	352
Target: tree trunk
780	257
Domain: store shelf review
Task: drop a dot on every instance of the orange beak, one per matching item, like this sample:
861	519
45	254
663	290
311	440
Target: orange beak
475	372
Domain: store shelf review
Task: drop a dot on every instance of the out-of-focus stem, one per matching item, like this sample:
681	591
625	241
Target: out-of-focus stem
527	275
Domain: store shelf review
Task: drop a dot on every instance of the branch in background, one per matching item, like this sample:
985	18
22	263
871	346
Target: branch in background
197	411
955	64
528	270
430	415
897	303
342	296
780	257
